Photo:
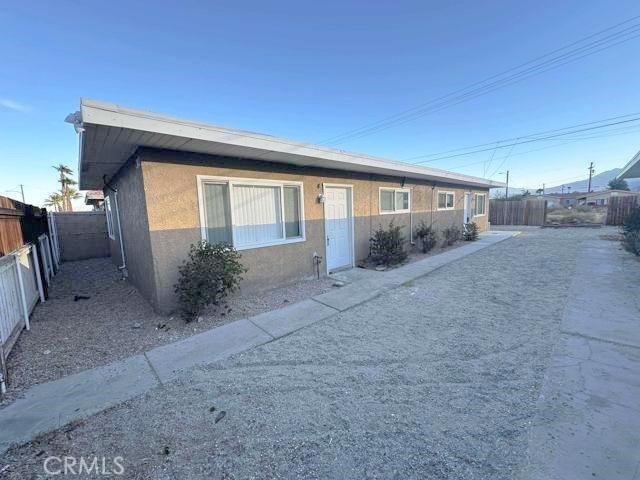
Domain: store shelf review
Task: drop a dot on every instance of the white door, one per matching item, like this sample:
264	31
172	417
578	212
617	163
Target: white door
467	207
337	225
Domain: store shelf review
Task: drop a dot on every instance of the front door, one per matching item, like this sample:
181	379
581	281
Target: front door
337	225
467	207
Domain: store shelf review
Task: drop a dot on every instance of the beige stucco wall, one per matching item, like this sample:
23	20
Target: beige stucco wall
135	229
170	188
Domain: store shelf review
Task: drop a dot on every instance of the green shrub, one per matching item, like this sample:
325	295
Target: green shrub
471	231
209	274
387	246
427	235
451	235
631	231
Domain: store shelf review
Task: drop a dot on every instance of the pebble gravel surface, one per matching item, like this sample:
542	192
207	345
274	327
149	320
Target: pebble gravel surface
437	379
93	317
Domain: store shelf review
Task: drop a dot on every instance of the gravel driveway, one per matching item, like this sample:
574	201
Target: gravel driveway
113	321
437	379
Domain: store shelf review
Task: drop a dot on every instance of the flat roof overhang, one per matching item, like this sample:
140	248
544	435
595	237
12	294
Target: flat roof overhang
631	169
110	134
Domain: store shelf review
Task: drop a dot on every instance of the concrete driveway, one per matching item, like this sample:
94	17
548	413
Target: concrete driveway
439	378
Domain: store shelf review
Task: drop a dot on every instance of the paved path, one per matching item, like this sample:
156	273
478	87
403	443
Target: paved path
53	404
588	421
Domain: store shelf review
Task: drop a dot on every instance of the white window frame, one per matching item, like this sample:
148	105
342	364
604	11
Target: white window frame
475	209
109	216
395	210
453	202
230	182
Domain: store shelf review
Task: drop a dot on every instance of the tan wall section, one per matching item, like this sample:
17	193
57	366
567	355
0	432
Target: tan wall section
170	187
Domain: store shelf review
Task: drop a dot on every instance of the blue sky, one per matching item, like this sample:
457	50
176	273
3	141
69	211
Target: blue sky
312	70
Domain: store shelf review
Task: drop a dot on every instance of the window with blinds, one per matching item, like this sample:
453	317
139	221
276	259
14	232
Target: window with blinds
251	214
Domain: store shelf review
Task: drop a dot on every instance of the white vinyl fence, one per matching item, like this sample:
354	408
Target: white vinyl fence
21	286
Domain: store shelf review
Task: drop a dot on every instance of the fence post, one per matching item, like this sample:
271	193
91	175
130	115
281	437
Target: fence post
36	266
53	237
3	369
23	296
44	260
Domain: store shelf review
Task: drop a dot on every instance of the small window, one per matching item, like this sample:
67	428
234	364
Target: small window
394	200
250	213
109	216
292	225
481	199
445	200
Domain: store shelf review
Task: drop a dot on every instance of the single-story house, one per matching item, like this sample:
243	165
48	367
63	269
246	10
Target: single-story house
169	183
560	199
95	198
602	198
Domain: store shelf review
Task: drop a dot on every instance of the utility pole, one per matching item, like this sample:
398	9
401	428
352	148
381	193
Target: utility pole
590	174
22	191
543	189
506	191
562	189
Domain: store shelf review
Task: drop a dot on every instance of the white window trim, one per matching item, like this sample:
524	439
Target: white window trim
109	216
394	190
231	181
448	192
475	209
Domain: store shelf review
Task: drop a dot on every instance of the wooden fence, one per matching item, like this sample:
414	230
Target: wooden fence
19	224
619	207
517	212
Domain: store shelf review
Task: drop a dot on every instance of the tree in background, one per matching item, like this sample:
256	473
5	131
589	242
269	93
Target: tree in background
56	201
618	184
67	191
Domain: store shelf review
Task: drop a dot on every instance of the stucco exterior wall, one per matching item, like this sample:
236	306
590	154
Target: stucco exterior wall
170	187
135	229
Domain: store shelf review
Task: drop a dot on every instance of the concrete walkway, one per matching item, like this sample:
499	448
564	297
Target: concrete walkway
588	421
51	405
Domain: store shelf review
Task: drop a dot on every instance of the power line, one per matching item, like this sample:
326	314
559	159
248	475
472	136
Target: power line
572	140
531	140
543	132
420	109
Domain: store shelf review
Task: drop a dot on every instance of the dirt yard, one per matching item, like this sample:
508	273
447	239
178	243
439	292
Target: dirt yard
69	335
437	379
576	215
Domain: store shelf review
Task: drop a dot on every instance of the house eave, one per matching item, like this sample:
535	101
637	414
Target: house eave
110	134
631	169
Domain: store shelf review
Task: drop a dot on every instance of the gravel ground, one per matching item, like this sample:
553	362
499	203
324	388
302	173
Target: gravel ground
437	379
68	336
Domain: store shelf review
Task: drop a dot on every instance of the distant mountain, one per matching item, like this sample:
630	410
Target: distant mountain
598	182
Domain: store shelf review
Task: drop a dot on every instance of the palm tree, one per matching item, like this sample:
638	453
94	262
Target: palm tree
65	183
55	200
72	193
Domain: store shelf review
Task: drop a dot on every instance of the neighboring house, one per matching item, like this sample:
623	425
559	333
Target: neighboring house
602	198
169	183
95	198
560	200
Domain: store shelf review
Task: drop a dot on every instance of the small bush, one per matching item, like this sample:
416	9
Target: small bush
209	274
427	235
631	232
387	246
451	235
471	231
